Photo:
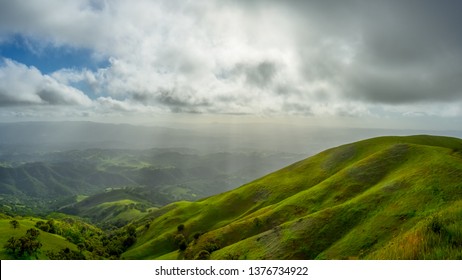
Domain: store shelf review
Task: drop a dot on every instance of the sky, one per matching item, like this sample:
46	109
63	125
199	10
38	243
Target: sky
395	64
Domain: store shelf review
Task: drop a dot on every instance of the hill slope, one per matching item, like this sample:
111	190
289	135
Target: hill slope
50	242
382	198
116	207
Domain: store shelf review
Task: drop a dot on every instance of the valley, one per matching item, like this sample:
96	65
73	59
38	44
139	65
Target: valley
380	198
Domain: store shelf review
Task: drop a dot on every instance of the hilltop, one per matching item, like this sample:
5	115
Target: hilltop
382	198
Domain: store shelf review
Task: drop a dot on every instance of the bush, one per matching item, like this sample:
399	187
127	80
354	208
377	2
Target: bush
436	226
211	246
202	255
197	235
180	241
182	246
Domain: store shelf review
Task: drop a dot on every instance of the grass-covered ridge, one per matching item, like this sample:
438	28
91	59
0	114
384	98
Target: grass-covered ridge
382	198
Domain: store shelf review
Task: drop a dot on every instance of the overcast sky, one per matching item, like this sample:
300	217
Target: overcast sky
391	61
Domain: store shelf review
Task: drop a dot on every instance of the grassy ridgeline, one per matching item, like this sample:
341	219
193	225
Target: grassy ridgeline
382	198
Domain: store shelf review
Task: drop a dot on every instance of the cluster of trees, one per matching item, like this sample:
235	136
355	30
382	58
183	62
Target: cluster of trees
25	246
48	226
92	242
65	254
181	241
118	241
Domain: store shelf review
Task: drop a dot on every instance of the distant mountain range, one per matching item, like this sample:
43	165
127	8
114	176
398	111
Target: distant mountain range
158	176
32	137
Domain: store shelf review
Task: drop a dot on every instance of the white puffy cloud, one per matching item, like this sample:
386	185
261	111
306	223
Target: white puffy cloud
22	85
245	57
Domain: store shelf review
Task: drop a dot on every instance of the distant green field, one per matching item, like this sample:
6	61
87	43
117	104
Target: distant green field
382	198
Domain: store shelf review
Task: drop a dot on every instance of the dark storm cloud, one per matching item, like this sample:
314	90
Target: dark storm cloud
181	100
401	51
259	74
411	51
7	100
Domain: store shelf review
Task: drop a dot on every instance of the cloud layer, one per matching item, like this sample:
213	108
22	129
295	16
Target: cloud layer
22	85
242	57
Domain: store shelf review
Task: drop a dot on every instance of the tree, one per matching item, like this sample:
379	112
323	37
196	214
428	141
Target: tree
14	224
12	245
65	254
131	230
81	247
180	241
25	246
202	255
51	226
33	233
43	226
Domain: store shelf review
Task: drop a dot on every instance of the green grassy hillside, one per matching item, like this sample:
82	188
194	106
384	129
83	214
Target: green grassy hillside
382	198
115	207
50	242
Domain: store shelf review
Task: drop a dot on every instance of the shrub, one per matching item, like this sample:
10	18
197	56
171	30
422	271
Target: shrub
202	255
436	226
180	241
197	235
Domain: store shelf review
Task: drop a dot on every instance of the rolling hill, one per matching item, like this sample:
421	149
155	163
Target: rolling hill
382	198
37	183
50	242
116	207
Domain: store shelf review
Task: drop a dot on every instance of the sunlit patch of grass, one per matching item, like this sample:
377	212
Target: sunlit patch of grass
438	236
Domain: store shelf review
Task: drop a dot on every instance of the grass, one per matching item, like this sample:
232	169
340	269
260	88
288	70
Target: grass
373	199
49	241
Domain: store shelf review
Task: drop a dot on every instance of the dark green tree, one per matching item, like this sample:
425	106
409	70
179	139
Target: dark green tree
202	255
26	246
14	224
43	226
51	226
65	254
12	245
180	241
131	230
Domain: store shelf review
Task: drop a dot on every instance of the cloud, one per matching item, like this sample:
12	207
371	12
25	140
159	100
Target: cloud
22	85
409	52
242	57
